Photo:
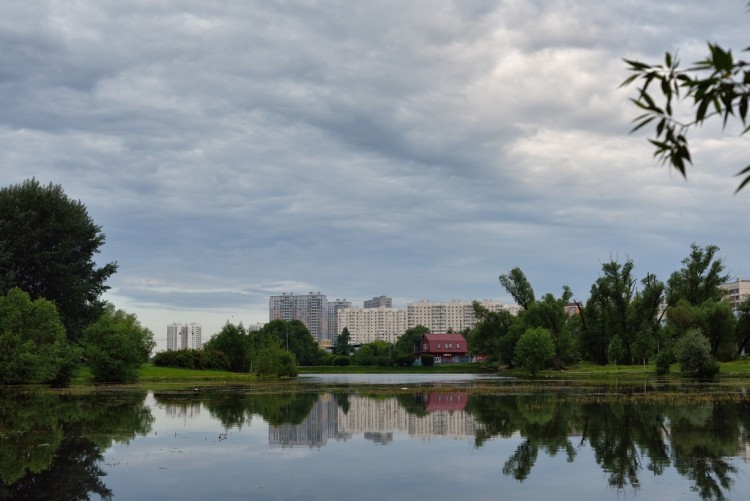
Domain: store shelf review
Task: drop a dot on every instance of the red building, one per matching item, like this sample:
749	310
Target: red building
446	348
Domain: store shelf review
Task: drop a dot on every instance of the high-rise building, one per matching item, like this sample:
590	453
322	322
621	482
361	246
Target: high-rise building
310	309
372	324
453	316
333	310
184	336
379	302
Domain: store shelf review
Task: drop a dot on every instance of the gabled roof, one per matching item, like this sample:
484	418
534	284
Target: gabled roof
450	338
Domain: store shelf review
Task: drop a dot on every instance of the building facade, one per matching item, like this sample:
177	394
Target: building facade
379	302
372	324
333	311
453	316
737	292
310	309
184	336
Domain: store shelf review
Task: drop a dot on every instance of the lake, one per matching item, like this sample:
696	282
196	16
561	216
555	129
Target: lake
376	437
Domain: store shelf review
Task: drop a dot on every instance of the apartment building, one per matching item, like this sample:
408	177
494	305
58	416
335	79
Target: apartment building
311	309
333	311
455	315
379	302
372	324
184	336
737	292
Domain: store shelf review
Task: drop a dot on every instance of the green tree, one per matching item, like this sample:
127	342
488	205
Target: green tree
535	349
342	343
273	360
34	346
615	351
234	343
490	334
694	355
406	342
699	278
716	87
47	248
116	345
292	335
742	330
518	286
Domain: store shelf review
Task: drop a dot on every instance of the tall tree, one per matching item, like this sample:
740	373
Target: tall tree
716	87
293	336
342	343
517	285
699	278
47	248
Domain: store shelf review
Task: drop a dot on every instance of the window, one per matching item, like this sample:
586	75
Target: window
438	346
458	346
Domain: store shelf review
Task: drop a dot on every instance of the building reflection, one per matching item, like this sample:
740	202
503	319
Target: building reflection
377	420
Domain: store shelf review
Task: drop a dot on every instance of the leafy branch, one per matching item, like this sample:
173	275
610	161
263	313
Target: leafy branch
717	86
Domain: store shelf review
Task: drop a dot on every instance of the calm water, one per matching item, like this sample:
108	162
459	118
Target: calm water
382	437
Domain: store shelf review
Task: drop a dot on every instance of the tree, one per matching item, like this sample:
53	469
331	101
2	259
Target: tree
699	278
292	335
694	355
518	286
489	336
405	344
34	346
116	345
234	343
342	343
47	248
717	87
273	360
615	350
535	349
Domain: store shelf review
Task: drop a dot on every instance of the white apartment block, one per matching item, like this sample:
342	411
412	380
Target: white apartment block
184	336
311	309
455	315
737	292
333	311
372	324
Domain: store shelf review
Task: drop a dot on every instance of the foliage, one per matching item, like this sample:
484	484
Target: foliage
427	360
408	340
192	359
290	334
404	360
518	286
715	87
693	354
116	345
664	362
273	360
34	346
699	278
535	349
742	329
375	353
490	334
233	343
341	361
615	350
342	343
47	248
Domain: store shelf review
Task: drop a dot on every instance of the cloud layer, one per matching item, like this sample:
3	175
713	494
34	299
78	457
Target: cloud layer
233	150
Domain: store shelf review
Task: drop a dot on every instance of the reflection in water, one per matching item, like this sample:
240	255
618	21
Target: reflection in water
52	445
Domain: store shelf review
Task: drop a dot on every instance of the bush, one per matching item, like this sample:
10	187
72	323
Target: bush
404	360
427	360
341	361
535	349
694	355
663	363
275	361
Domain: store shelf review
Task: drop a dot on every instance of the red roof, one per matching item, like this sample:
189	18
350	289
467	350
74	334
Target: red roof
452	344
434	402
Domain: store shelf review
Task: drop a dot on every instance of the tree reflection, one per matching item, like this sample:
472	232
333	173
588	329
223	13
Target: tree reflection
626	434
51	445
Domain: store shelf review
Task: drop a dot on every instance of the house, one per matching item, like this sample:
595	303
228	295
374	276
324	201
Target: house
446	348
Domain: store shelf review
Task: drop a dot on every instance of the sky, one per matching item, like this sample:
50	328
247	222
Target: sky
235	149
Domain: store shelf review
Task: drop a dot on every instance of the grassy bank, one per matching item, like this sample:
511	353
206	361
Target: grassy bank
150	374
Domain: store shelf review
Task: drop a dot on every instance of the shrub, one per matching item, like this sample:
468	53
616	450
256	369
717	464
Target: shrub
275	361
427	360
404	360
694	355
663	363
534	349
341	360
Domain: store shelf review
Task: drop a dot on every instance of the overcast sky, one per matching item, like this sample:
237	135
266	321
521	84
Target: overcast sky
232	150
